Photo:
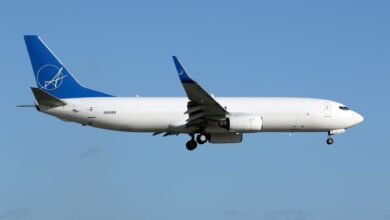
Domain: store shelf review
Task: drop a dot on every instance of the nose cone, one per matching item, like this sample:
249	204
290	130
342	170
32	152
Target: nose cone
357	118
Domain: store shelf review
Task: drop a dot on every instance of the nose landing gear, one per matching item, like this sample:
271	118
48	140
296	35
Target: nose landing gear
333	132
329	141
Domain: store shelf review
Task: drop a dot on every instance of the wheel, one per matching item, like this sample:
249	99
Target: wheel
191	145
201	139
329	141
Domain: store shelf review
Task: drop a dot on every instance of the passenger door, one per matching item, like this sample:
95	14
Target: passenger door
327	109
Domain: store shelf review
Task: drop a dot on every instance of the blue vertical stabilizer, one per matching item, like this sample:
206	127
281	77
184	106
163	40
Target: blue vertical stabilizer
51	75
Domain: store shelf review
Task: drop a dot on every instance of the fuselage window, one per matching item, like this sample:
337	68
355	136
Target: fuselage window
344	108
109	112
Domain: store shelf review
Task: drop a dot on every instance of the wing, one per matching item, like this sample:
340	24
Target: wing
202	108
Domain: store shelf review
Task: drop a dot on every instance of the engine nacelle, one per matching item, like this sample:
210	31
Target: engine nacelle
224	138
243	123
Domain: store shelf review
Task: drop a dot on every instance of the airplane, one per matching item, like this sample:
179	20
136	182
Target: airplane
202	116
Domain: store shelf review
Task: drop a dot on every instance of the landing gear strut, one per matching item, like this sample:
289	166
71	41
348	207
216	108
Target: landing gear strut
191	144
330	140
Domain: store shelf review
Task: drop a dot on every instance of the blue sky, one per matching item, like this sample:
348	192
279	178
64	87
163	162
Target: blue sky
337	50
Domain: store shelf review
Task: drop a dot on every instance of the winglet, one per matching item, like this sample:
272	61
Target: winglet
200	100
183	75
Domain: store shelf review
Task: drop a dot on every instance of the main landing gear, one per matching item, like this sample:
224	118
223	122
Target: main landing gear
201	138
193	143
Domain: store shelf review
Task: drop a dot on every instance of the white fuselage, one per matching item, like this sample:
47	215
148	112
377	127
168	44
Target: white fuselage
167	114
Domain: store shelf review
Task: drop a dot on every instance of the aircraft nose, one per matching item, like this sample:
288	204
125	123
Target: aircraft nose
358	118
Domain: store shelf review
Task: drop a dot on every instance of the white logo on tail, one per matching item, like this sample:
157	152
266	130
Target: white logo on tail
50	77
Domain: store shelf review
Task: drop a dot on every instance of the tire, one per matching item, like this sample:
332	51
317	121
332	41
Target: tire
201	138
191	145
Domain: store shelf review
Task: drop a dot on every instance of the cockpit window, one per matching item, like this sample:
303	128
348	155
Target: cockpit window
344	108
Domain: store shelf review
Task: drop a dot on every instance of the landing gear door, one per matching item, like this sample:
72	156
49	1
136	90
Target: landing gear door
327	109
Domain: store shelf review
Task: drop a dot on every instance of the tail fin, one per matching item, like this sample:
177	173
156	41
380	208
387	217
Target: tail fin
51	75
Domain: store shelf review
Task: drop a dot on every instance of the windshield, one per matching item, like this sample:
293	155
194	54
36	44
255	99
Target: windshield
344	108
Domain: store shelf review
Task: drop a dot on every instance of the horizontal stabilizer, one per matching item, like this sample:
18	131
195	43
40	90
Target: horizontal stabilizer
44	98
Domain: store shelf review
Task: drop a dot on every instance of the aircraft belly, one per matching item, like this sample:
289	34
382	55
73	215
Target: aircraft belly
280	123
140	122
